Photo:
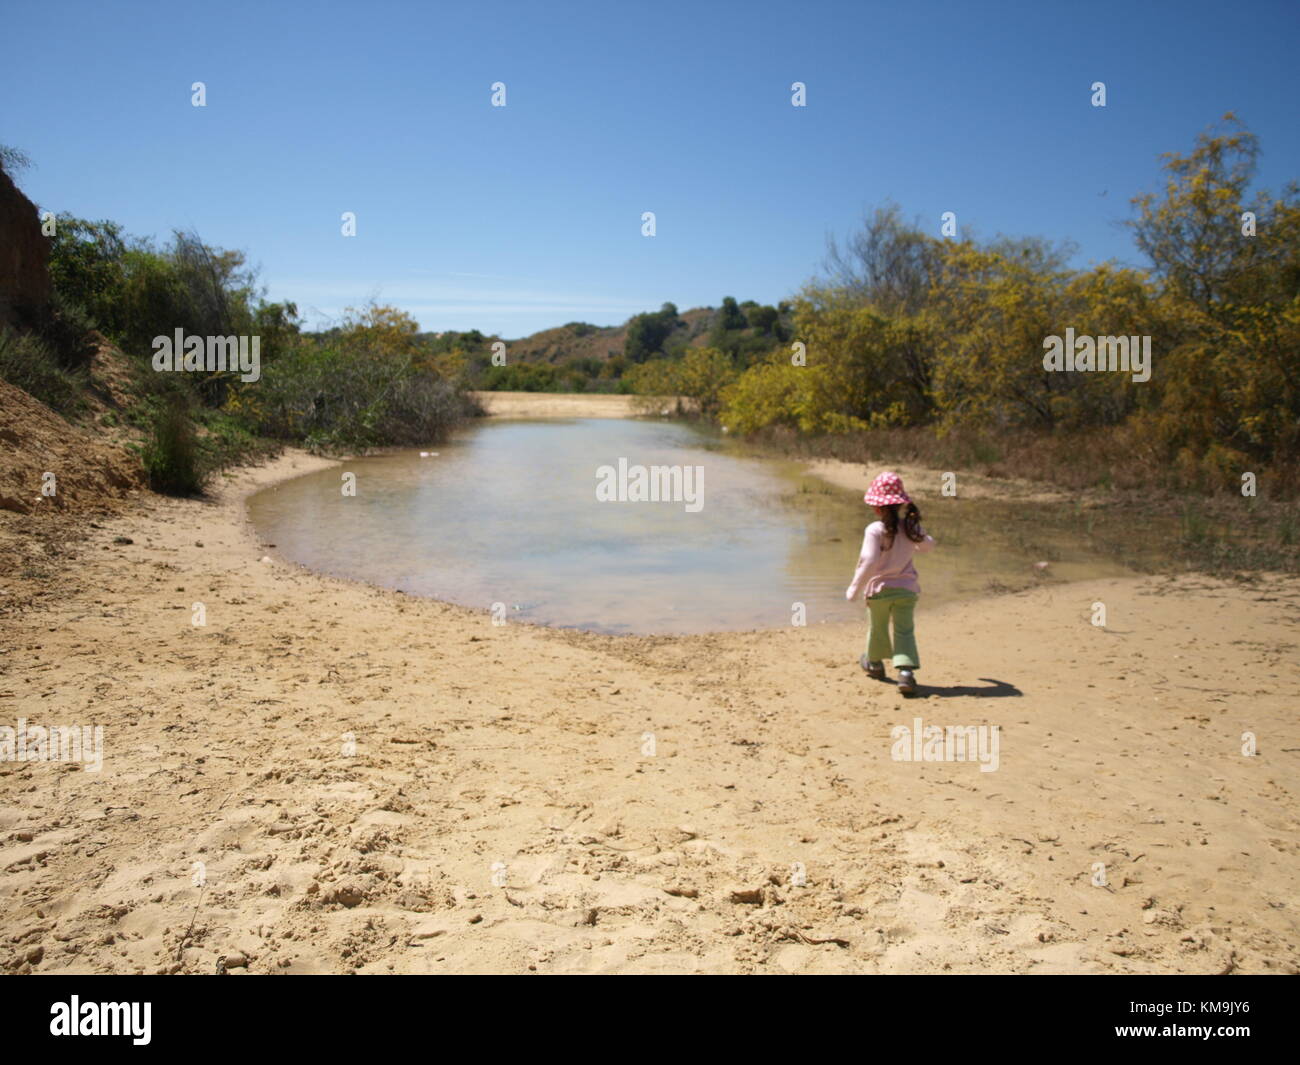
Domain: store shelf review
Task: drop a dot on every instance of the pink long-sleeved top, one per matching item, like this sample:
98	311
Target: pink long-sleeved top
879	568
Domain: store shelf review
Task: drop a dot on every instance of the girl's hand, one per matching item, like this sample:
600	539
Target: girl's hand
848	594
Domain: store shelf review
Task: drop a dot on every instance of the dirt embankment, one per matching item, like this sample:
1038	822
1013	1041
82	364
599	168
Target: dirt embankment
46	463
55	480
24	258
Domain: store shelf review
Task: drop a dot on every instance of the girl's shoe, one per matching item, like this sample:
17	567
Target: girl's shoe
906	682
875	670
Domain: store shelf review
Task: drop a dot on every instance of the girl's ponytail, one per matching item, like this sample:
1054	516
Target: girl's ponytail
912	524
889	518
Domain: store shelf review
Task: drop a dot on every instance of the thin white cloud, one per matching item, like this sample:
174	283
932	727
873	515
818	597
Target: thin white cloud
431	294
505	310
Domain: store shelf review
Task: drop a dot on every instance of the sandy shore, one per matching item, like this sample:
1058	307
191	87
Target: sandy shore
926	484
557	405
375	783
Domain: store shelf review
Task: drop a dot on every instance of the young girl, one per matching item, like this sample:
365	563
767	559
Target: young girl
886	572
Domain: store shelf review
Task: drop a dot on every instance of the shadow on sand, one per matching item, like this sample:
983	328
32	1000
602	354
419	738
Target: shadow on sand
996	689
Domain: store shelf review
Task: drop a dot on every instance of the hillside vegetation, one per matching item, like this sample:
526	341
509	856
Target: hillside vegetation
934	349
911	346
581	357
370	381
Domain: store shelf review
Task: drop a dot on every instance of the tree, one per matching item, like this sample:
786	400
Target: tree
1230	372
703	375
13	160
730	316
764	319
87	267
647	333
380	329
887	263
1191	234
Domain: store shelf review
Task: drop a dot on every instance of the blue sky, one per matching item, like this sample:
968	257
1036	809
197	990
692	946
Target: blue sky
518	218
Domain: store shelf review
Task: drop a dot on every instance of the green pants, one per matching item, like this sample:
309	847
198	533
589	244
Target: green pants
896	604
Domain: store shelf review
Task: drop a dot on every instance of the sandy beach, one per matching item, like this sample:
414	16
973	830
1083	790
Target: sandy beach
558	405
328	777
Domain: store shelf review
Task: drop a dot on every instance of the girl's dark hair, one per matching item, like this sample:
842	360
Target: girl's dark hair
911	524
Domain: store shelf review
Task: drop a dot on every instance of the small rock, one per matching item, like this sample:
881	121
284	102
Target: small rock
348	895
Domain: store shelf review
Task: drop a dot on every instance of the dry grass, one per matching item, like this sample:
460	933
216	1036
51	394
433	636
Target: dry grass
1205	521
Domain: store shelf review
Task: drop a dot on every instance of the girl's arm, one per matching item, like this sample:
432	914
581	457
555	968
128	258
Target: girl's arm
870	553
927	544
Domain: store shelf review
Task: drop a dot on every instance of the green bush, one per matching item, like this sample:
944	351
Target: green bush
87	267
29	363
648	333
349	400
227	441
66	329
522	377
171	456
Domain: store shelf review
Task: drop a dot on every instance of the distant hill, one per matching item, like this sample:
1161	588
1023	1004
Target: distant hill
580	340
581	357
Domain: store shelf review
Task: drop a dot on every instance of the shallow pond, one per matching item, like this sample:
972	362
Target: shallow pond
506	517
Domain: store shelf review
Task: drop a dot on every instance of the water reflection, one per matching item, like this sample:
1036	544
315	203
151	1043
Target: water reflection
507	513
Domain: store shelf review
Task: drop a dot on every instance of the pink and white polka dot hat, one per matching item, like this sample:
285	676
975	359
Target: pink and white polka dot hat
885	491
